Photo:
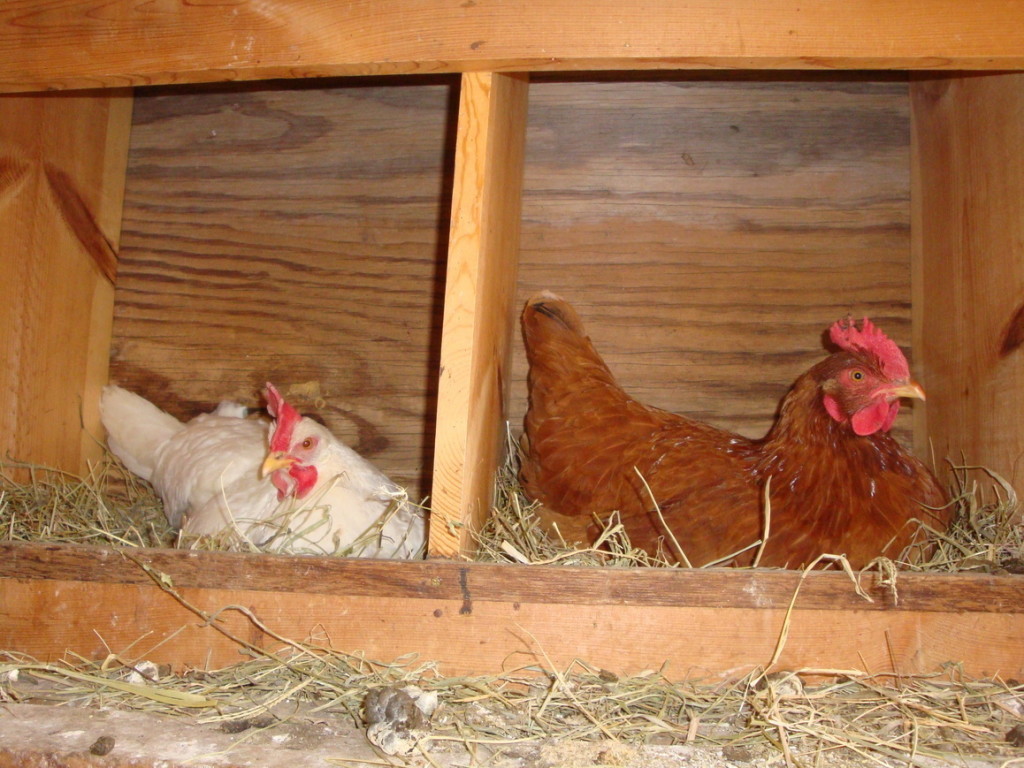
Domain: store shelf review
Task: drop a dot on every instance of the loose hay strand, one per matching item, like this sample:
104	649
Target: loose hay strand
876	718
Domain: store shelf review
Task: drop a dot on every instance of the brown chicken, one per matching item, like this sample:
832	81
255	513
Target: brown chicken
839	482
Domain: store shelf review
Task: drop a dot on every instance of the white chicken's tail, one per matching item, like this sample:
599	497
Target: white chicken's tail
135	429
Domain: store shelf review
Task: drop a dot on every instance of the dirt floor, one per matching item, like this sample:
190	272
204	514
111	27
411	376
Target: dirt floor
34	736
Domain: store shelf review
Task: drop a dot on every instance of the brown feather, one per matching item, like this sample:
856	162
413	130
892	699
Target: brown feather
831	490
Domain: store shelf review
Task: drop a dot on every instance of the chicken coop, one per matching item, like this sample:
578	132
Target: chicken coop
354	200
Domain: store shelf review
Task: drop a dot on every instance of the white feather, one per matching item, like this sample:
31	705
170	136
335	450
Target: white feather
208	474
213	458
190	465
135	429
354	508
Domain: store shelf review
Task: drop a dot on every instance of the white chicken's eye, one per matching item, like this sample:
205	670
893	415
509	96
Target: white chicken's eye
307	443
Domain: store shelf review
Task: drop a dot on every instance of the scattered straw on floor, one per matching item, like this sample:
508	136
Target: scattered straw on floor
760	719
751	720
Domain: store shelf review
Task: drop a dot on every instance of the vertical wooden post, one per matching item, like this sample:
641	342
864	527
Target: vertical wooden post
483	255
62	176
968	251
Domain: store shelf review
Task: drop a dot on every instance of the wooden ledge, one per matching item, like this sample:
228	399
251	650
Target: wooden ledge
764	589
474	618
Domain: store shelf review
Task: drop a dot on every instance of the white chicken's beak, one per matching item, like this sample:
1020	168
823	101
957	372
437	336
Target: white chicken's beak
909	388
275	461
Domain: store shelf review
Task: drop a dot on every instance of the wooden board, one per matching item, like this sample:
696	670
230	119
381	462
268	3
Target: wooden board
62	161
969	255
296	236
483	253
732	224
87	43
480	619
709	230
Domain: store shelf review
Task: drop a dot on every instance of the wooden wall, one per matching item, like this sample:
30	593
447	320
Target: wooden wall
62	166
297	235
711	229
708	228
969	249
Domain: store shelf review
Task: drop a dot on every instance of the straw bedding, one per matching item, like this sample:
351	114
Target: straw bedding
580	715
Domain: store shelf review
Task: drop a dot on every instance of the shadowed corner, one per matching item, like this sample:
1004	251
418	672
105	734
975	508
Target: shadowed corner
1013	334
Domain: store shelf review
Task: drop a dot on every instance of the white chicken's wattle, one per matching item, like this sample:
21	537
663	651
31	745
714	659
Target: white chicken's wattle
311	494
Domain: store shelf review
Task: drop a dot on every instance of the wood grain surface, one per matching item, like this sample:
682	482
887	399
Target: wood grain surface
294	235
62	161
479	314
474	619
969	252
709	230
88	43
483	582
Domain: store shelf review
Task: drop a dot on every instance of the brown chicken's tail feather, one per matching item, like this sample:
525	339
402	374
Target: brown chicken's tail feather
555	308
560	353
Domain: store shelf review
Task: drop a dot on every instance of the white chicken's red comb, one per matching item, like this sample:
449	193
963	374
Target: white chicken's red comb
870	340
286	419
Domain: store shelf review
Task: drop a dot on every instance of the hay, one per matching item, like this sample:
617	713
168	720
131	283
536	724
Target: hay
108	506
756	719
778	718
112	506
986	533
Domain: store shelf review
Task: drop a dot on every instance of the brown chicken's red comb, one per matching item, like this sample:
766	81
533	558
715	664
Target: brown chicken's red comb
870	340
287	417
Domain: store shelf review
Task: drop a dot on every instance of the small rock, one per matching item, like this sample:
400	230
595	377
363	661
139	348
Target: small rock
1015	736
1011	703
245	723
235	726
425	701
104	745
393	741
143	672
398	718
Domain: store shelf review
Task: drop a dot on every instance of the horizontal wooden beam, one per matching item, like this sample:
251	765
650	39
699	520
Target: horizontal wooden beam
90	44
482	619
469	582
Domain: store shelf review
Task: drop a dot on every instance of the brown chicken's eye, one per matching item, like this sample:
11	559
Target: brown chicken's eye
857	375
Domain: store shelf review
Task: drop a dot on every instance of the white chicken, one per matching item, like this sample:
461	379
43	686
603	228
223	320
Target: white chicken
331	497
310	495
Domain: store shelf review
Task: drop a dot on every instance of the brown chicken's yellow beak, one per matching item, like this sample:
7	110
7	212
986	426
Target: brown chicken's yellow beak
275	461
909	388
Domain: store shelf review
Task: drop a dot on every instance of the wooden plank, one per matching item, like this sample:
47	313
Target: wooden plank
61	188
483	253
969	249
480	582
292	234
480	620
709	229
86	43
